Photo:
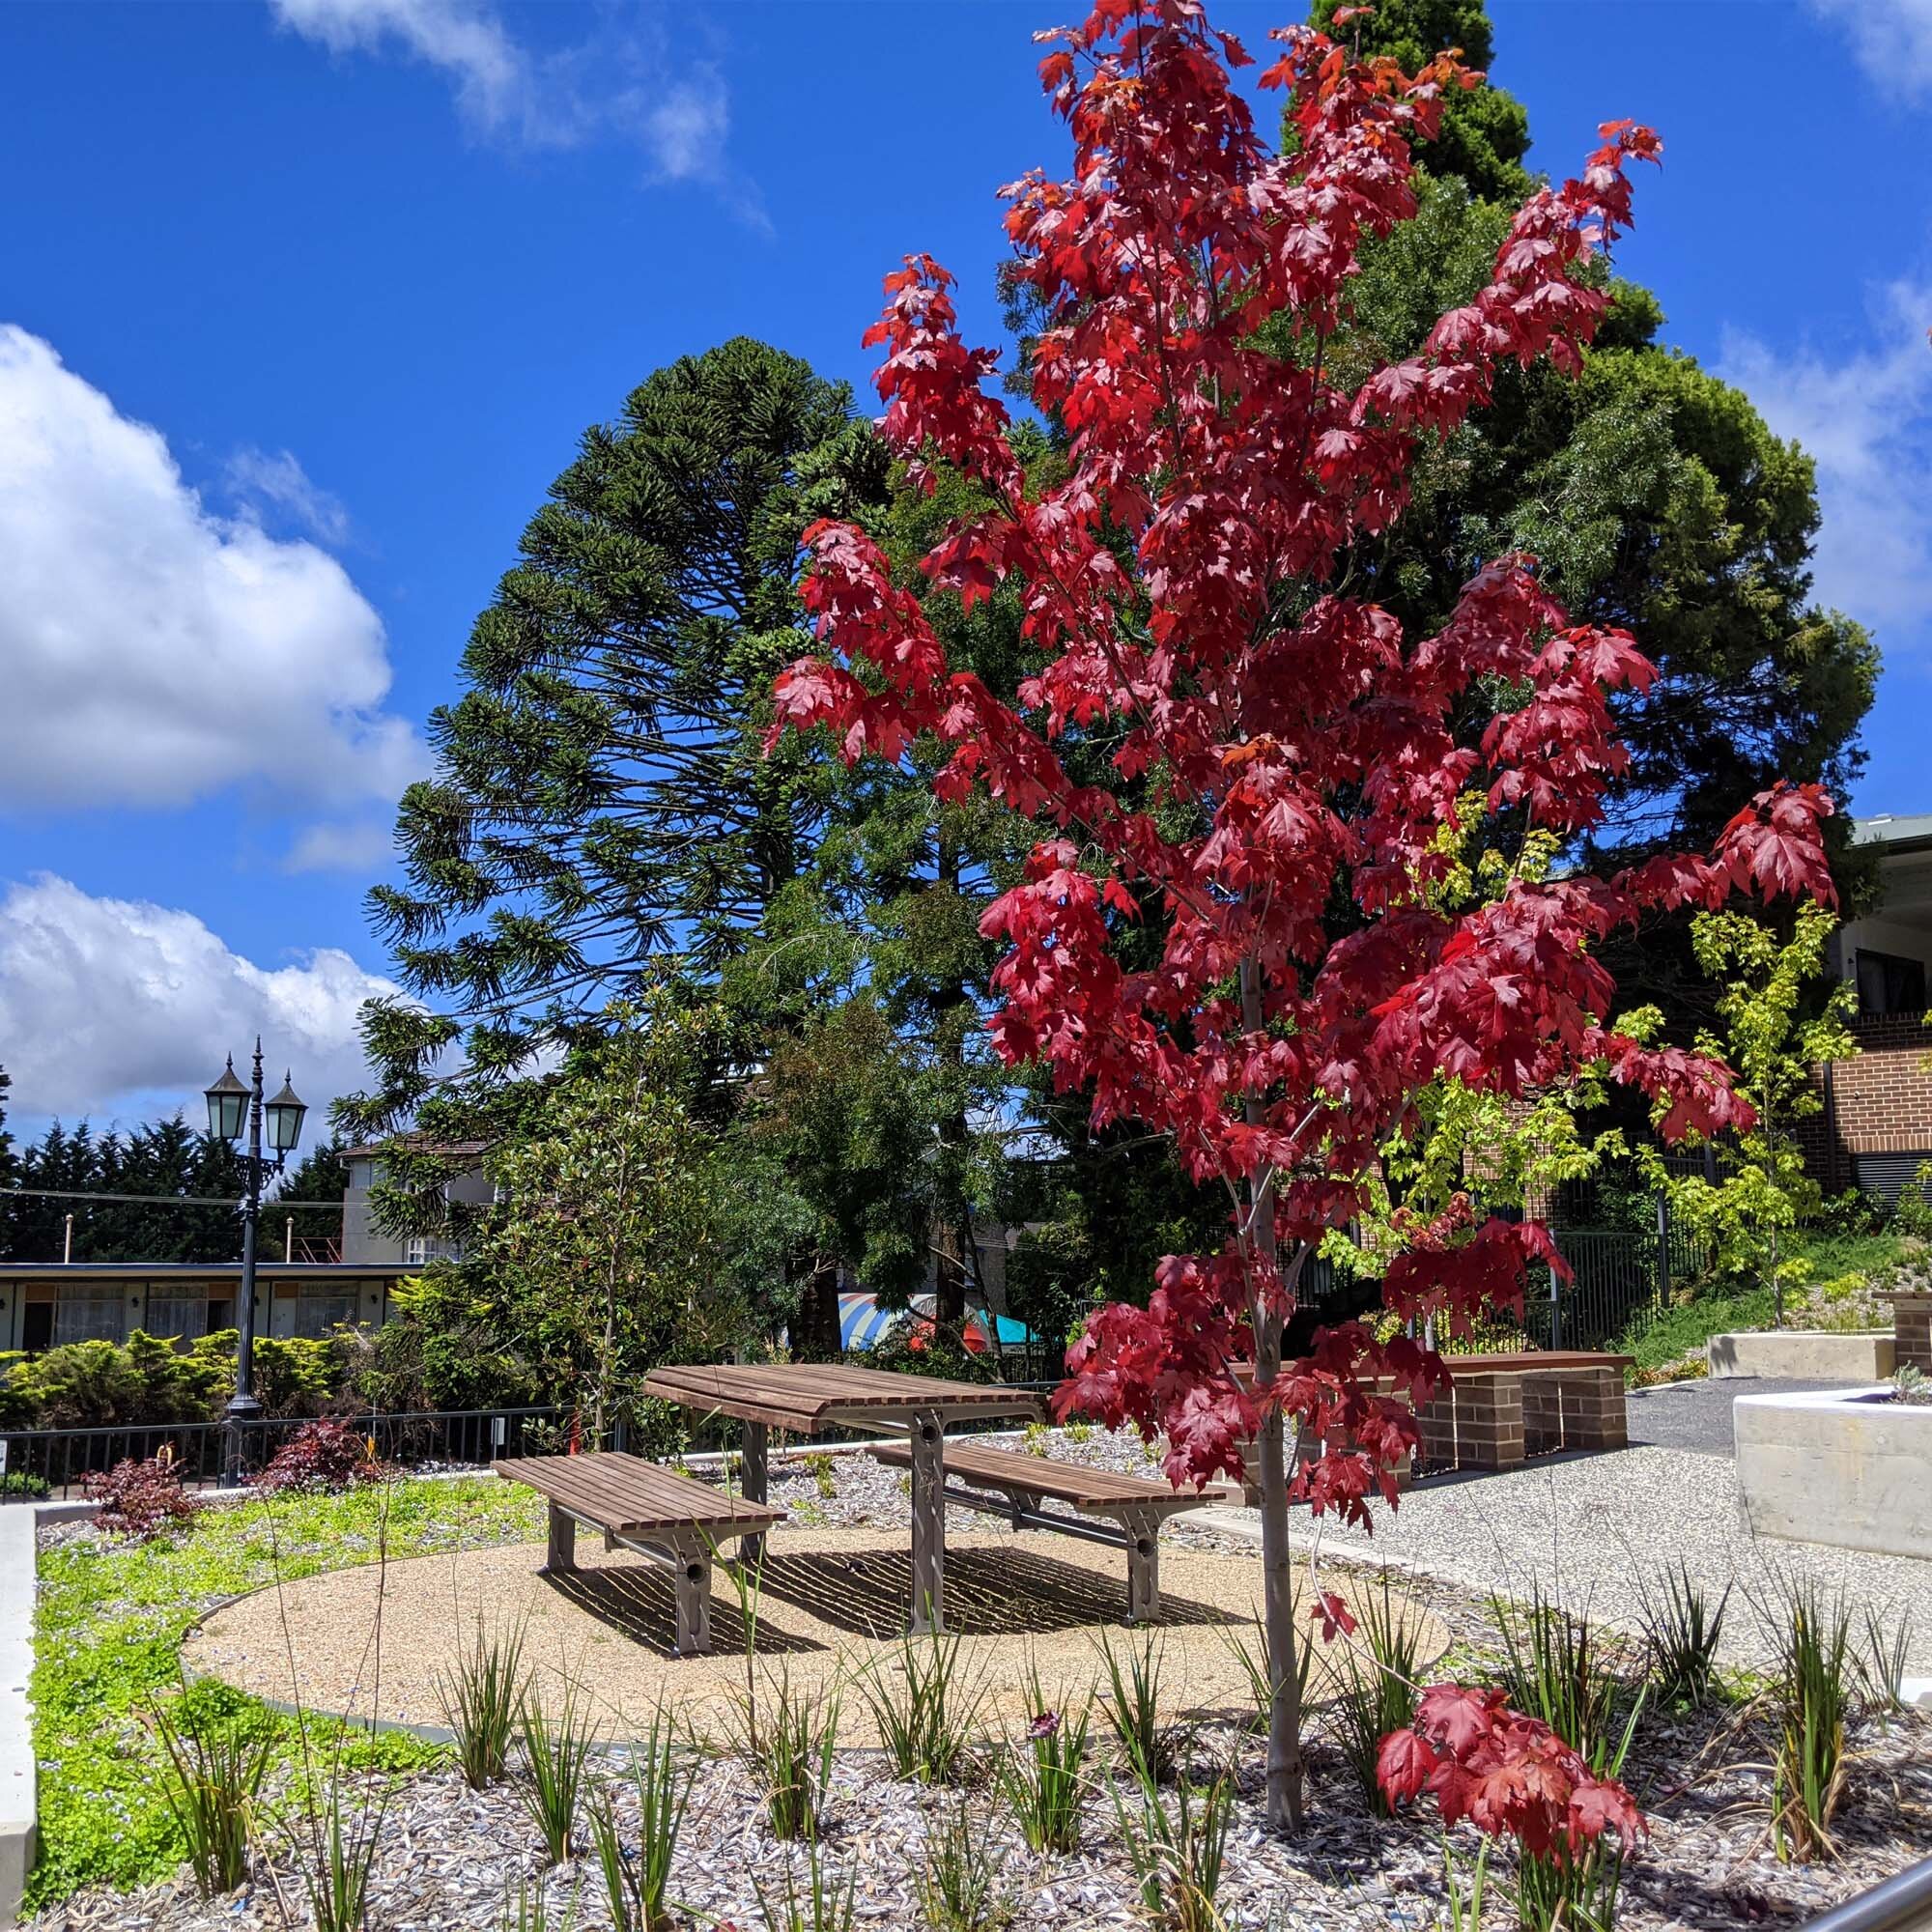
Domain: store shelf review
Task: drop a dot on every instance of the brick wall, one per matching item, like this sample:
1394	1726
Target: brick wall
1879	1101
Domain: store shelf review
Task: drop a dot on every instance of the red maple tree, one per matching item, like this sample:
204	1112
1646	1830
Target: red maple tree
1278	749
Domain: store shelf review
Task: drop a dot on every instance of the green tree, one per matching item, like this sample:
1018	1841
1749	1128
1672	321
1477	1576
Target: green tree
1772	1034
1652	494
603	1256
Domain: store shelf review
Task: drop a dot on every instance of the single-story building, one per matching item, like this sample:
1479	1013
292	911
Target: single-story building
42	1304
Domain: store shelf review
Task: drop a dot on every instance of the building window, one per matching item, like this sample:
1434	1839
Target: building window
87	1313
318	1310
177	1314
419	1250
1889	984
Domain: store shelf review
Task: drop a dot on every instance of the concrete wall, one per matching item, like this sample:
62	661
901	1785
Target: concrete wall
17	1731
1839	1467
1803	1354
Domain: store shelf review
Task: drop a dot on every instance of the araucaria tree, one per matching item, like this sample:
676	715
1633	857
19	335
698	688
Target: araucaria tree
1285	793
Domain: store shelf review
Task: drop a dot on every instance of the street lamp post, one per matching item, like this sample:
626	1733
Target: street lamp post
229	1102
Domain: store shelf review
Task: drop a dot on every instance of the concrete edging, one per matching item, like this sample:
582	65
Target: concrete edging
1803	1355
1844	1468
18	1779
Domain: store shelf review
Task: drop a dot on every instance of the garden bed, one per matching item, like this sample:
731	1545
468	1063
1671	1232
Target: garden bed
113	1619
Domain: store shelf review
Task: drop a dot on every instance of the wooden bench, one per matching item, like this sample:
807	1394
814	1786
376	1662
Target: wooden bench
651	1511
1135	1505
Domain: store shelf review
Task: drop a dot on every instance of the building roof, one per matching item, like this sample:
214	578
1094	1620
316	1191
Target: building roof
197	1270
1893	831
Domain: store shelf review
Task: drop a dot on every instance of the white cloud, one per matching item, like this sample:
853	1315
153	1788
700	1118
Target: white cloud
616	86
116	1008
1866	418
364	846
279	482
154	652
1891	40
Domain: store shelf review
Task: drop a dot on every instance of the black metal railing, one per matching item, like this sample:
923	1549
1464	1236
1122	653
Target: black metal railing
42	1463
1622	1279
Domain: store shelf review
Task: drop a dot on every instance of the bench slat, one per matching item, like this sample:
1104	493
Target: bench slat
1064	1481
630	1496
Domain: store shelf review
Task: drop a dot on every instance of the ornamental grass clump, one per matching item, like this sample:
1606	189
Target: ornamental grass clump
340	1864
1374	1683
211	1786
1130	1703
557	1754
926	1718
481	1696
1682	1630
1811	1632
1042	1776
961	1885
638	1887
1178	1848
824	1905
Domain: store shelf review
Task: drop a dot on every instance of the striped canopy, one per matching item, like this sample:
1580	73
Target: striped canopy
864	1325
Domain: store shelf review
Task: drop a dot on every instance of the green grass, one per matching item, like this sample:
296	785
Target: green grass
108	1628
1833	1255
1678	1331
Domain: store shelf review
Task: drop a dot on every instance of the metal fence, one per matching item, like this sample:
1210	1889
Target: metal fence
37	1463
1622	1280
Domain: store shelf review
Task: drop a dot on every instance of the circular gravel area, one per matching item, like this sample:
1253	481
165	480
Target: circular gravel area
833	1602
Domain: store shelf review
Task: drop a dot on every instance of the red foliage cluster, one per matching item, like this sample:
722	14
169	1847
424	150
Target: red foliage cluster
137	1499
320	1456
1509	1776
1276	745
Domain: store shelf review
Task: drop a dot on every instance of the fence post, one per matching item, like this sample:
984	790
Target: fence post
1555	1299
1663	1252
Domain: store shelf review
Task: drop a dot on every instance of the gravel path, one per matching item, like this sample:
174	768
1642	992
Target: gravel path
1591	1528
1697	1414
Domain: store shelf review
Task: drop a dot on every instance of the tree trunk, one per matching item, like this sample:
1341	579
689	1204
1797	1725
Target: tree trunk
815	1332
950	1273
1285	1771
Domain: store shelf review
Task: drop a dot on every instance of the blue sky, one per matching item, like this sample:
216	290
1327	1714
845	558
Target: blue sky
304	303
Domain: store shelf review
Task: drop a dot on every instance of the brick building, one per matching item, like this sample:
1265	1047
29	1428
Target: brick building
1876	1126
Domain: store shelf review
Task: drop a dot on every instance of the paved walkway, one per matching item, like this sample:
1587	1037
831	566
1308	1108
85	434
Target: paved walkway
1592	1530
1697	1414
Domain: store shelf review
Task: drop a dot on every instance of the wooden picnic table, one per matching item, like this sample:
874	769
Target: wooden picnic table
803	1397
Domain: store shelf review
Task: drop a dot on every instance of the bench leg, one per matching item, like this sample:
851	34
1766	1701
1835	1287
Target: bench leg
928	1523
563	1541
693	1591
754	1480
1143	1567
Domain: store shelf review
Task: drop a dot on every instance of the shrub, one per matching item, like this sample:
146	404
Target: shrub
138	1499
320	1456
638	1887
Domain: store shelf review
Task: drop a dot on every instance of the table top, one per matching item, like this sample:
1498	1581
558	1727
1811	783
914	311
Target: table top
798	1396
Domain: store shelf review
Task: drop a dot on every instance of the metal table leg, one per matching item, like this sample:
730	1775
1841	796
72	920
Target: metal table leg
752	1480
928	1522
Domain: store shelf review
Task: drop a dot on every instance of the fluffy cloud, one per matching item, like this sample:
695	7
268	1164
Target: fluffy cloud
1866	418
1891	40
614	87
118	1008
154	652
